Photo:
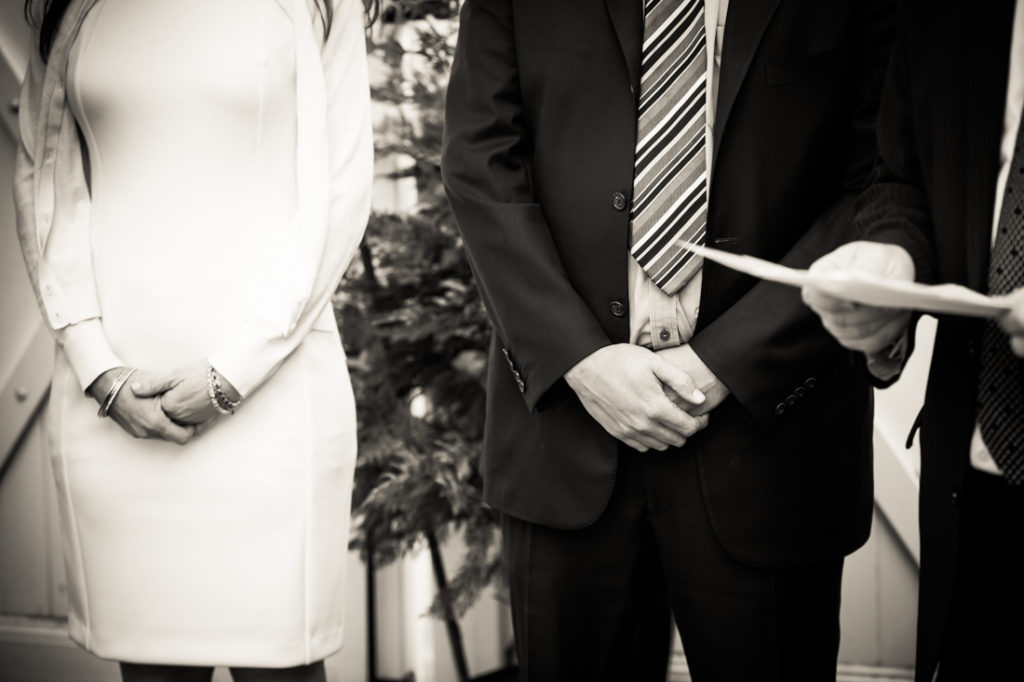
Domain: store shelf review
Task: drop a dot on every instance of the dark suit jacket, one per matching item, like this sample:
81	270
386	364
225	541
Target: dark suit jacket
537	159
939	130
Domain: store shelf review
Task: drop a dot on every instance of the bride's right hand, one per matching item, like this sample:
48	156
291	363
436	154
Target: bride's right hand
140	417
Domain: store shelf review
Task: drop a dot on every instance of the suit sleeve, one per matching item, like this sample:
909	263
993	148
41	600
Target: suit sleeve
893	209
545	327
763	358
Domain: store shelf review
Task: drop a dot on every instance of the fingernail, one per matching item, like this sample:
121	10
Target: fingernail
698	395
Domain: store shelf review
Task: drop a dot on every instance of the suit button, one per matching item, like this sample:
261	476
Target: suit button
811	382
780	409
800	392
617	309
619	201
791	400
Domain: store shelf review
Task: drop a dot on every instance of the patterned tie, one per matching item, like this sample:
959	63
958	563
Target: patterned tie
1001	384
670	170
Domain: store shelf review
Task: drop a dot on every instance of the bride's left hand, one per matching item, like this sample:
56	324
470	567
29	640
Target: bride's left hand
184	394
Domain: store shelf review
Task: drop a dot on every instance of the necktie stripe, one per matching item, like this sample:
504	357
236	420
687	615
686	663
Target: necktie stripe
688	212
677	38
670	168
666	18
681	206
661	82
675	164
675	122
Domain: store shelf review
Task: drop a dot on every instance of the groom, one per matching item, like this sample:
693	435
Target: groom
663	432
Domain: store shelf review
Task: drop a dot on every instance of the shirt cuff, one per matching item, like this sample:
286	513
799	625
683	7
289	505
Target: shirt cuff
88	351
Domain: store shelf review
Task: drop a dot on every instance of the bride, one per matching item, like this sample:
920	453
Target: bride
193	178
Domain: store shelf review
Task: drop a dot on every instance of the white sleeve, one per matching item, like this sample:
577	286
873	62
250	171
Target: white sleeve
52	215
335	177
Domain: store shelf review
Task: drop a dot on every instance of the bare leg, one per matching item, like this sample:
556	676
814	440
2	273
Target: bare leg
138	672
314	672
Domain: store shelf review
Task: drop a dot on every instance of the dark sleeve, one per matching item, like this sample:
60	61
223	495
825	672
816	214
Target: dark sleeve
893	209
763	357
545	327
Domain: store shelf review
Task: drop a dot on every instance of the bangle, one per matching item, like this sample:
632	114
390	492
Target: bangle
221	402
111	396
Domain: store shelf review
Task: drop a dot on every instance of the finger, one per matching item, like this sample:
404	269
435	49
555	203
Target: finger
176	433
651	443
149	386
868	317
1012	322
677	423
162	427
1017	345
668	422
635	444
660	437
880	340
823	303
129	428
678	380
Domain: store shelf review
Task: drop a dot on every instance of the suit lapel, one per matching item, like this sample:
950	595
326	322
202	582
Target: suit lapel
745	24
628	19
987	72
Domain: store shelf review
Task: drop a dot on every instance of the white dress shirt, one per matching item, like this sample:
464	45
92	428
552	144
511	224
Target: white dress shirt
981	459
651	311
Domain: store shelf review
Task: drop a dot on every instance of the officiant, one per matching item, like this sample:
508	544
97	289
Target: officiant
947	205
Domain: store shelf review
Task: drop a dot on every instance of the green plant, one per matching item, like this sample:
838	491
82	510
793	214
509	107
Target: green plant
416	334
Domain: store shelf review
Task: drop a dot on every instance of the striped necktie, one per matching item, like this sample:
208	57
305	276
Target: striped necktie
670	169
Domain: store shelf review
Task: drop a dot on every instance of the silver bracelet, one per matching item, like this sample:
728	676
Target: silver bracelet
220	402
119	383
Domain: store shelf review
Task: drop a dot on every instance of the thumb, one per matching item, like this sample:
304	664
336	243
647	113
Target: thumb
678	380
149	386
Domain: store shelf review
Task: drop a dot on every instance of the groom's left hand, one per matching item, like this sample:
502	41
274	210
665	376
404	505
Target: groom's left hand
687	360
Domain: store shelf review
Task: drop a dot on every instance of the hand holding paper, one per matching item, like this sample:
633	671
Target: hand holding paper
864	292
876	331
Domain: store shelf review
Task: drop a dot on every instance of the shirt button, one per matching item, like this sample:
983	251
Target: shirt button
954	497
617	309
48	288
665	335
619	201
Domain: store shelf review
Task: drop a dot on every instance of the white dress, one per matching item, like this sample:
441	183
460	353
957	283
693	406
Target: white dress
230	550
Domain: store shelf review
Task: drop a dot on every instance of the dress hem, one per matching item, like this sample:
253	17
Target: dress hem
247	653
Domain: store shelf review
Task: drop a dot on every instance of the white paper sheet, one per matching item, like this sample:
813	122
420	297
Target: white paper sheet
866	288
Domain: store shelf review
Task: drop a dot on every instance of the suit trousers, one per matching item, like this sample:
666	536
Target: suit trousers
594	604
985	630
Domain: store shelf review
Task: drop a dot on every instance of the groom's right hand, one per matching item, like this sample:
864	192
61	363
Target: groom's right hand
622	386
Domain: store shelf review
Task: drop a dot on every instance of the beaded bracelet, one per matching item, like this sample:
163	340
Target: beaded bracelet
221	402
111	396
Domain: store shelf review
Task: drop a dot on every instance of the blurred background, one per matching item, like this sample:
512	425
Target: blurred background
425	598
